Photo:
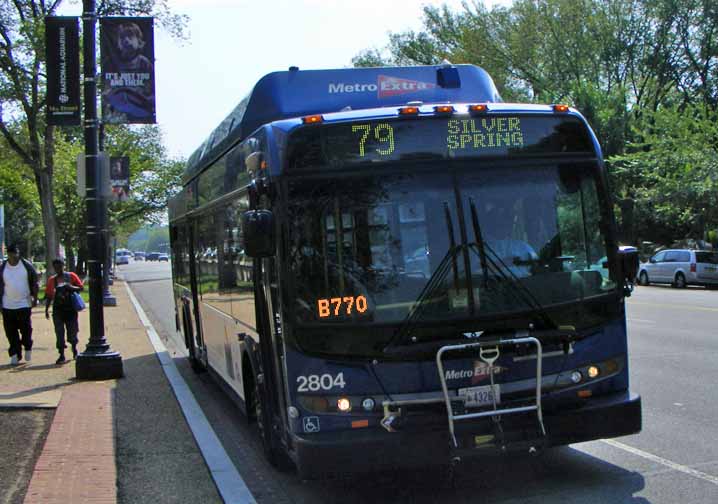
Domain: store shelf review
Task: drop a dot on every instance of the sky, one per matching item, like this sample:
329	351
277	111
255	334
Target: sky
233	43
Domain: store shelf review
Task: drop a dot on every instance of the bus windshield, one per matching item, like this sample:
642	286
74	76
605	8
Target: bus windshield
368	249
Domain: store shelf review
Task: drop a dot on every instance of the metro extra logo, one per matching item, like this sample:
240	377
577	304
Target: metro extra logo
479	373
386	86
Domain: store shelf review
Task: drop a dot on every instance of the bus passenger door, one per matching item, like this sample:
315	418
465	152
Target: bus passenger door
270	295
193	272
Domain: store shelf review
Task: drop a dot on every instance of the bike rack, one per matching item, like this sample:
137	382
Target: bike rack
489	353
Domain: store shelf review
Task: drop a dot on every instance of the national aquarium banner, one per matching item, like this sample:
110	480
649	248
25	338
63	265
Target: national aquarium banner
128	74
62	47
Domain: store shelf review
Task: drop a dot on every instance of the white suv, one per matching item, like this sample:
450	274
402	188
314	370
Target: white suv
681	267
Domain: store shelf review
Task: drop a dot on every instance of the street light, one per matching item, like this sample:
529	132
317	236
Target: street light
98	361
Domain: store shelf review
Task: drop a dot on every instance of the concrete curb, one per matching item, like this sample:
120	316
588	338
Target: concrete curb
230	484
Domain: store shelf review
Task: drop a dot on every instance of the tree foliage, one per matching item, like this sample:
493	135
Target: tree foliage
22	88
670	173
643	72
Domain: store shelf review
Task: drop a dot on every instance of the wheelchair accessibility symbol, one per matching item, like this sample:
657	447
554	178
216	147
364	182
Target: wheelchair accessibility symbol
310	424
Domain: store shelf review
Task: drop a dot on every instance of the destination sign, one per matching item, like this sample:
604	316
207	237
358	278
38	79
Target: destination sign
337	145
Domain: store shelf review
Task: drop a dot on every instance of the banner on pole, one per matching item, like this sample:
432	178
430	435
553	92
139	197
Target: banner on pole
120	178
62	46
128	72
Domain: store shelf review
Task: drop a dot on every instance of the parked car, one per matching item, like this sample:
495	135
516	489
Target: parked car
163	257
153	256
122	256
139	256
681	267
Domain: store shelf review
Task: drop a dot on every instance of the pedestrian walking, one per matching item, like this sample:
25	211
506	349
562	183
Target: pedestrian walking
18	294
60	289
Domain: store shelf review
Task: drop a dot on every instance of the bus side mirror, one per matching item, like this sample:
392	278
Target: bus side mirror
258	232
629	267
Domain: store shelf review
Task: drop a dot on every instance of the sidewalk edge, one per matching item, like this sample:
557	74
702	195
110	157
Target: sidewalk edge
230	484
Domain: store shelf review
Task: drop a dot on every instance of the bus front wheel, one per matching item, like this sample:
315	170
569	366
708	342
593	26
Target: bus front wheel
275	455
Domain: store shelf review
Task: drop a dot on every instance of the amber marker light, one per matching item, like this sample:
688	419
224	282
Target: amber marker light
562	109
313	119
343	404
584	394
408	111
358	424
478	108
444	109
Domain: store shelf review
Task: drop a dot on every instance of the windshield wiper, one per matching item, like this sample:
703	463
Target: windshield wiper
435	281
511	279
489	260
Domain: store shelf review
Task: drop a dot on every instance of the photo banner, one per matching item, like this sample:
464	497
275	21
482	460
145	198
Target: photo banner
62	46
120	178
127	56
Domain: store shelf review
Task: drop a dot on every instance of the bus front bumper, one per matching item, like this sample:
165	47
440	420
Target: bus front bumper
333	454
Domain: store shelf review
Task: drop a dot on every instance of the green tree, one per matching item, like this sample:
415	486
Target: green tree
670	174
630	66
22	84
23	224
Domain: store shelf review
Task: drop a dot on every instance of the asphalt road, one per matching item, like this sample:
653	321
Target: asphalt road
674	348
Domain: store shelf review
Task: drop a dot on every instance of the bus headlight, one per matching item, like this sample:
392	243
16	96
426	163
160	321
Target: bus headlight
344	404
593	371
576	376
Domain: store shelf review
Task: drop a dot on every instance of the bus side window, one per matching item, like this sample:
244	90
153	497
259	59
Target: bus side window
243	293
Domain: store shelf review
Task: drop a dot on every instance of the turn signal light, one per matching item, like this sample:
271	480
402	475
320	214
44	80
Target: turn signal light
444	109
410	110
560	108
479	107
314	404
313	119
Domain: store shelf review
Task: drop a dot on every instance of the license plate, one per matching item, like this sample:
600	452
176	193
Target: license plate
480	396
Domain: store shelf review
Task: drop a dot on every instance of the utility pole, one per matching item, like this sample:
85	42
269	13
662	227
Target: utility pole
97	362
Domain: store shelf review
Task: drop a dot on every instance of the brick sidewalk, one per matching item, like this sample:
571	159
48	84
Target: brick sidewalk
77	463
121	440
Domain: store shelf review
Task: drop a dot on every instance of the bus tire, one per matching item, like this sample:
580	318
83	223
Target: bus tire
276	456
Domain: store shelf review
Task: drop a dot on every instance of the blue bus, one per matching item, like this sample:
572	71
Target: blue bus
388	267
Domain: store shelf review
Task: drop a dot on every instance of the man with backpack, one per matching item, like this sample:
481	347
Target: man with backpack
18	294
60	289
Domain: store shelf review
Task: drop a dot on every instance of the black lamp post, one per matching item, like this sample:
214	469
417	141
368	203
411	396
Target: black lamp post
98	361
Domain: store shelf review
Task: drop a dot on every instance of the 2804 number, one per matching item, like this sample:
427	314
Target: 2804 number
315	383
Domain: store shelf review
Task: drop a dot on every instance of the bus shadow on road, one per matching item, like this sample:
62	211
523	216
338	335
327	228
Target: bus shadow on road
559	475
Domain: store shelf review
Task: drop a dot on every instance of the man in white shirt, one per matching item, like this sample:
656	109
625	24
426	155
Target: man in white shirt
18	292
